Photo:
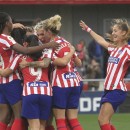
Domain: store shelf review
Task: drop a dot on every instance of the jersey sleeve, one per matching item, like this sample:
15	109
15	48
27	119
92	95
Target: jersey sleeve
10	41
61	53
110	48
14	64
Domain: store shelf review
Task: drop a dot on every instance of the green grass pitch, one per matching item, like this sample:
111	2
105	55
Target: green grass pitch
89	121
120	121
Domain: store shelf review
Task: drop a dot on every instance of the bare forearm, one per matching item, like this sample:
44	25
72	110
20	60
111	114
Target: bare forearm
5	72
99	39
78	62
63	61
28	50
42	64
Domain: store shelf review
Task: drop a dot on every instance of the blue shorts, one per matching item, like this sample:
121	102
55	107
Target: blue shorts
66	98
11	93
36	106
114	97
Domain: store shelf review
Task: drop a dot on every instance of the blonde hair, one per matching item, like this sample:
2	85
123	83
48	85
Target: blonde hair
53	24
123	25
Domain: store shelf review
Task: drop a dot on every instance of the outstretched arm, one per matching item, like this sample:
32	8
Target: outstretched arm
99	39
28	50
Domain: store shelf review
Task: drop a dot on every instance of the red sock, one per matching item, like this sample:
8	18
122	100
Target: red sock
8	128
18	125
61	124
51	127
68	125
3	126
75	125
112	127
105	127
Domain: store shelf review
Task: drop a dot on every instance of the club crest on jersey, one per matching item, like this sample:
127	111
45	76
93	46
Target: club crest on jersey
10	38
69	75
37	84
114	60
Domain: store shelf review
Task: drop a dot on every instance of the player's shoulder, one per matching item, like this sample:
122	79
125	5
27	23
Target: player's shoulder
7	38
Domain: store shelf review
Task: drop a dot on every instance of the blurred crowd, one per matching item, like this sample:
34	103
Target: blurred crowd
92	62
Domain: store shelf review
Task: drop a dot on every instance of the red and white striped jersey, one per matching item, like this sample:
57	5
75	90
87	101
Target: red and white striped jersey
118	64
64	76
75	69
36	80
7	55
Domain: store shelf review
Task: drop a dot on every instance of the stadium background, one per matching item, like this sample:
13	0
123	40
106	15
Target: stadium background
97	14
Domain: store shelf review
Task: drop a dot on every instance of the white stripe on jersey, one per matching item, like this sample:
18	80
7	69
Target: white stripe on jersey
4	80
64	81
58	81
10	77
35	90
42	90
5	43
122	86
28	91
14	62
77	81
48	90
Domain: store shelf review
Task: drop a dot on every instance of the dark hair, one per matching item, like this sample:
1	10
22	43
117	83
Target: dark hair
32	40
4	17
18	34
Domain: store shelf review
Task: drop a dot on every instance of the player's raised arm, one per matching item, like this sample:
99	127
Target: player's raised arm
99	39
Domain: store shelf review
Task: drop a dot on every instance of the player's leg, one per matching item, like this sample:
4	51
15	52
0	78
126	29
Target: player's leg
34	124
59	106
14	96
105	115
72	109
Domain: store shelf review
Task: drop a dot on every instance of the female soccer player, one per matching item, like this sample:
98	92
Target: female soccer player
11	96
118	62
37	91
65	81
63	61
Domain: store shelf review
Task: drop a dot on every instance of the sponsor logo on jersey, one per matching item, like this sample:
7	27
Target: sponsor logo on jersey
37	84
114	60
69	75
120	51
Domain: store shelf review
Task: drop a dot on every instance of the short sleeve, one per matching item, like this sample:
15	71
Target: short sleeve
10	41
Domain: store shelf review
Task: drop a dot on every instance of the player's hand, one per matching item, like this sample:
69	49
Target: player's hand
23	64
53	44
83	25
18	25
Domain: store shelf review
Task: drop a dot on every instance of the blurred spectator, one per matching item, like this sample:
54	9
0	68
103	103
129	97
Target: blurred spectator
83	55
93	72
95	51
